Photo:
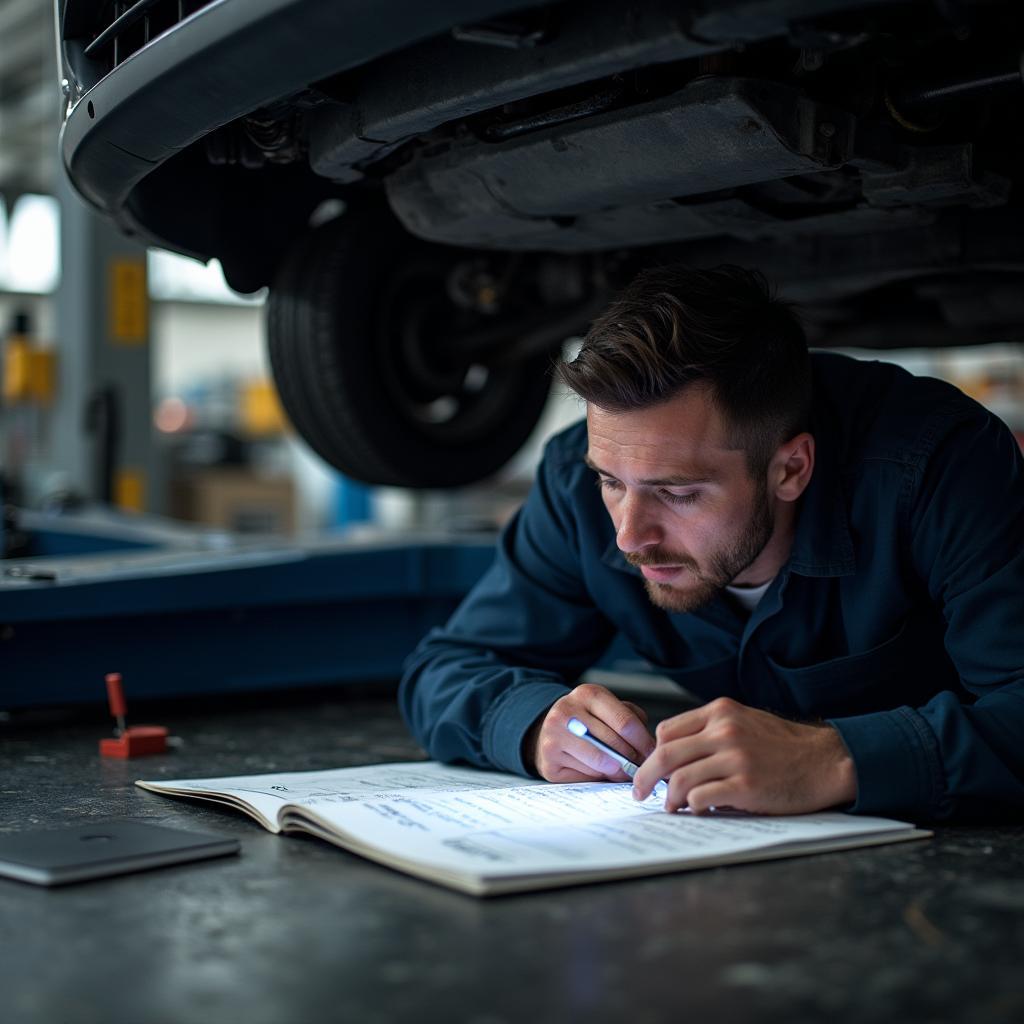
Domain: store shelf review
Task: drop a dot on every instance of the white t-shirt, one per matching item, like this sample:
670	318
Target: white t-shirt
747	597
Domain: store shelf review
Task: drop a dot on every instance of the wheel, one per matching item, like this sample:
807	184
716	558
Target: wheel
371	356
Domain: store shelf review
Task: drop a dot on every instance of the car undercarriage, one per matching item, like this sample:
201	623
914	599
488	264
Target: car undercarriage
438	196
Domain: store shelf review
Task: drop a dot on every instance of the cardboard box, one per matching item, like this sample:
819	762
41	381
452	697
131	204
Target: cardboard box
235	499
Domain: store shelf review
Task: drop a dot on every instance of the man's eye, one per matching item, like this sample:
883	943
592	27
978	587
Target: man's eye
608	484
680	499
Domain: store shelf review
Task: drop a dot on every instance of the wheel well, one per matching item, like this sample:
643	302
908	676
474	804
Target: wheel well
245	218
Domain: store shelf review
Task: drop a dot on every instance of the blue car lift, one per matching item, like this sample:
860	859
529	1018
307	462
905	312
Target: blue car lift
182	612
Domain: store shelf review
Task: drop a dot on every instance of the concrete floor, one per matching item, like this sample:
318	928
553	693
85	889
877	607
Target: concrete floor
296	930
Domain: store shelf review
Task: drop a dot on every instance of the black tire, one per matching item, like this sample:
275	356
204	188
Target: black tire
355	383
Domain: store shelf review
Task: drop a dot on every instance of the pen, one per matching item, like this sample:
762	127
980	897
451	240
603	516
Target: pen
577	728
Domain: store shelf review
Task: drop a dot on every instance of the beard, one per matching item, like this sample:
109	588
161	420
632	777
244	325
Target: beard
723	566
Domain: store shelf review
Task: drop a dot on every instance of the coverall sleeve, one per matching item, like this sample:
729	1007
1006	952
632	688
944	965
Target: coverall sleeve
472	688
955	755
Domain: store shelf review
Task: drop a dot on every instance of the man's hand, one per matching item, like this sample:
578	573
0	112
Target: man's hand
559	756
725	754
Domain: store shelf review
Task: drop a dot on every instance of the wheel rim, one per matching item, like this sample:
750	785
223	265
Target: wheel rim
429	381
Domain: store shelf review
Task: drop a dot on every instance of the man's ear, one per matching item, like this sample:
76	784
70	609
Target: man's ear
791	467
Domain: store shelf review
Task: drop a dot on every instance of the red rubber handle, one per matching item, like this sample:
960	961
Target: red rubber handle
115	695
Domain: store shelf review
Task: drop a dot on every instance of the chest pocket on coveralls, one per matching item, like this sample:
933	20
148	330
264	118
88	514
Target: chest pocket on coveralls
878	679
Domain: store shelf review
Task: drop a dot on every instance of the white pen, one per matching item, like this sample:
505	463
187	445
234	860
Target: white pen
577	728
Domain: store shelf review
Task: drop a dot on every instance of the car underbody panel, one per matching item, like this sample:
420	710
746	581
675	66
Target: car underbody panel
572	128
438	194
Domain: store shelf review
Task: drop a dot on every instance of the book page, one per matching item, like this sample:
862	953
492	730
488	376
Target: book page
266	795
566	828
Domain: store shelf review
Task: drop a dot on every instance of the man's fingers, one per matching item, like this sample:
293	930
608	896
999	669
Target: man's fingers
638	711
580	762
597	761
689	723
615	722
610	720
563	766
566	773
684	782
718	794
668	759
560	756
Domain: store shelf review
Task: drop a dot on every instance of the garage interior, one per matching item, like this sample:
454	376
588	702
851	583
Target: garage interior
164	520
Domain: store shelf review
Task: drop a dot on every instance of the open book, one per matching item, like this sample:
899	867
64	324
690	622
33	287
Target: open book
488	833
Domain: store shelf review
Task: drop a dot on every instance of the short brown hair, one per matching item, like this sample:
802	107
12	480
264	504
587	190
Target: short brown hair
722	328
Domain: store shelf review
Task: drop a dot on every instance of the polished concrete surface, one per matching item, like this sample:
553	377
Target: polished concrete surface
294	929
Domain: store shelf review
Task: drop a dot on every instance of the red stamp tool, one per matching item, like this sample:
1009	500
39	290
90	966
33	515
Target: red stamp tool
134	740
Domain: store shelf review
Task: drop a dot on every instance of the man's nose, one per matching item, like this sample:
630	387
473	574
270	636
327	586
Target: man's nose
636	528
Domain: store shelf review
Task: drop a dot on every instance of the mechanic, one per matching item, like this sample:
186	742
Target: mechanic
828	552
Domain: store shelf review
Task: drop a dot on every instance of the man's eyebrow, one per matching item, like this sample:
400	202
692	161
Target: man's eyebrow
676	480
